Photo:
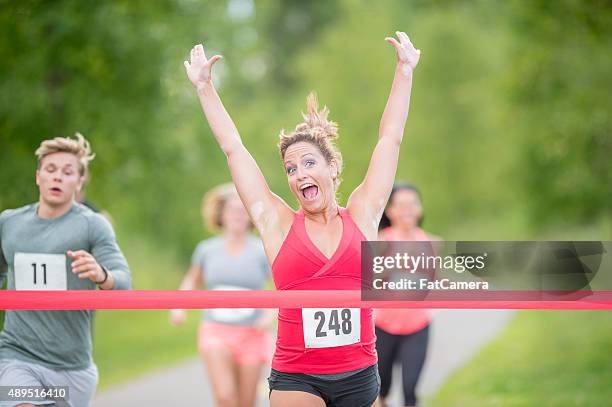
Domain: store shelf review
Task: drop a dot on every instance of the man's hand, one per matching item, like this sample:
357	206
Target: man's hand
86	266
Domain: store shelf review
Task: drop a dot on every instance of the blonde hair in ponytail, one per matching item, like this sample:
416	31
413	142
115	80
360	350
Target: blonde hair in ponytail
317	130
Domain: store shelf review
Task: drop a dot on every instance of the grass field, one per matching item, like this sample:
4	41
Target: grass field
128	343
544	358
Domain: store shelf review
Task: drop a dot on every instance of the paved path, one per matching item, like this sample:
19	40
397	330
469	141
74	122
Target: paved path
184	384
456	336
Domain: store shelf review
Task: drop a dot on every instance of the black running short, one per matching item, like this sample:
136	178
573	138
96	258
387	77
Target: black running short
358	390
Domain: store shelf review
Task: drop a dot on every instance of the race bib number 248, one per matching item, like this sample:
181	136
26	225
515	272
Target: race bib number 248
329	327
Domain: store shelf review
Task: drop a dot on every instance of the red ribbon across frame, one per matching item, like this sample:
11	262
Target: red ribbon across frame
169	299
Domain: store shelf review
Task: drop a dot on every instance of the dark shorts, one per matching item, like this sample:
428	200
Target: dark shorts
358	390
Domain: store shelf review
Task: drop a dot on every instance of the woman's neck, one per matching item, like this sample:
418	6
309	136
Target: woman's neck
405	232
324	217
234	237
234	242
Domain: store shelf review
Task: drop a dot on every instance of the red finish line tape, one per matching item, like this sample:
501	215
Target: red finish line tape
169	299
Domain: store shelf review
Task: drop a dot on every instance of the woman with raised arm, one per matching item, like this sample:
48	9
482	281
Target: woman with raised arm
323	356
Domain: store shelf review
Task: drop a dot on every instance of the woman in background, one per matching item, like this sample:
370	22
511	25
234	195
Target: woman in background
402	334
234	343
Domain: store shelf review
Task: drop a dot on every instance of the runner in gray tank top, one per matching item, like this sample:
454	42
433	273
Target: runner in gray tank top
234	343
55	244
247	270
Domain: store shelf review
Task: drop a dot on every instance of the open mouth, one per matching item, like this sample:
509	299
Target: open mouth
309	191
55	190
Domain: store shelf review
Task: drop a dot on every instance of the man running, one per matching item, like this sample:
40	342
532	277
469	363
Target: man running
55	244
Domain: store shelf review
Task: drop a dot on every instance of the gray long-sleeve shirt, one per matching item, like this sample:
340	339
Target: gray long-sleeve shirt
33	257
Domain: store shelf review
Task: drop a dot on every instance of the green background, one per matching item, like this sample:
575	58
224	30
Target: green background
509	134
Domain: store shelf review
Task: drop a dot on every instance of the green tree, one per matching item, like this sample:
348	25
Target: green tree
560	91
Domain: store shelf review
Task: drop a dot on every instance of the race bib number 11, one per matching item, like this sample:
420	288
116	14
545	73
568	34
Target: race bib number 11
38	271
329	327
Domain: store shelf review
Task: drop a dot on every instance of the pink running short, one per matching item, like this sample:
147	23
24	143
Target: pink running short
247	344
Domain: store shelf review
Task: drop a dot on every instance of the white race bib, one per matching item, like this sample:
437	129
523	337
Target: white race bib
230	315
38	271
329	327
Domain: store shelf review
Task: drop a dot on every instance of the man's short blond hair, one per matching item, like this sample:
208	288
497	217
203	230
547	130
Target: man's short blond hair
80	147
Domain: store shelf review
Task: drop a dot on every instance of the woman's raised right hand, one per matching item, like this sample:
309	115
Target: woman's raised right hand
199	68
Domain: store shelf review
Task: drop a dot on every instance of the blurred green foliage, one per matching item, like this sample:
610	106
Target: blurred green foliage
509	123
561	93
509	134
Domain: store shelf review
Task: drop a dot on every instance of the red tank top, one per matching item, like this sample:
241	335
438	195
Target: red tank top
300	265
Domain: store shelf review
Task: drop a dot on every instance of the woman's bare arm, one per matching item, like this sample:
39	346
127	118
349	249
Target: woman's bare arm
368	201
193	280
270	214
